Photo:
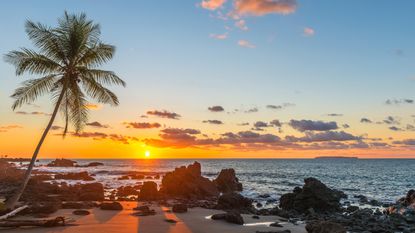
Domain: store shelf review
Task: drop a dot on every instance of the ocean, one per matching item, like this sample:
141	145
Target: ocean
384	180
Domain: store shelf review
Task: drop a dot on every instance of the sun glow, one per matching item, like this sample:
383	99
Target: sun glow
147	154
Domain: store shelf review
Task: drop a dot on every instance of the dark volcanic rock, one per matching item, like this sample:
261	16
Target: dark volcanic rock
75	176
111	206
91	192
125	191
315	195
235	201
187	182
62	163
325	227
231	217
179	208
149	191
227	181
94	164
42	208
81	212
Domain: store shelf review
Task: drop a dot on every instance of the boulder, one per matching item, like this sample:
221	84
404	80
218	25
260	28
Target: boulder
179	208
94	164
91	192
227	181
62	163
187	182
148	191
42	208
231	217
315	195
234	201
325	227
81	212
74	176
111	206
125	191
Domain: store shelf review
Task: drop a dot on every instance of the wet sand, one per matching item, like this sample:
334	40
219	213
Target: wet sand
196	220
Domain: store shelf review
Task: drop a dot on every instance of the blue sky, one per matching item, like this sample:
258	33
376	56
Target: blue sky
360	54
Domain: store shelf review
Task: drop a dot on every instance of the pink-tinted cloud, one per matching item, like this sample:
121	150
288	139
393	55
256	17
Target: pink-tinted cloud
223	36
33	113
96	124
263	7
142	125
212	4
246	44
308	31
241	24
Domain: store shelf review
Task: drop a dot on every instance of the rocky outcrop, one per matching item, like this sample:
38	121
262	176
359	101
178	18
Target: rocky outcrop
179	208
62	163
188	182
227	181
111	206
231	217
74	176
314	194
325	227
236	202
148	191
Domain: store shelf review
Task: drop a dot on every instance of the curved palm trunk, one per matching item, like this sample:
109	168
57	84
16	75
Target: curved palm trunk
11	202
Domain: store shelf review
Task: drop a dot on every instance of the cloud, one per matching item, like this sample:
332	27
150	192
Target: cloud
142	125
407	142
56	127
263	7
96	124
260	124
246	44
306	125
6	128
252	110
180	131
243	124
324	136
103	136
212	4
398	101
334	114
365	120
33	113
394	128
276	123
346	126
308	32
241	24
391	121
278	107
91	106
219	36
164	114
216	109
214	122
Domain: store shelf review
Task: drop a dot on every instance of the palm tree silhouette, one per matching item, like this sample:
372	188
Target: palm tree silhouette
67	61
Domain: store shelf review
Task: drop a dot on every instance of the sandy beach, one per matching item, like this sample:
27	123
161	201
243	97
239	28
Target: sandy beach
196	220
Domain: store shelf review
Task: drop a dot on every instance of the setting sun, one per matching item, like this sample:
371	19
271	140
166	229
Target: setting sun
147	154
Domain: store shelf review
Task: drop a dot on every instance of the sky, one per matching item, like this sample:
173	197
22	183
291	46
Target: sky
231	79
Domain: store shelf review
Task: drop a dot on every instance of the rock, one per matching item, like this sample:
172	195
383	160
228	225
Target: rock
170	220
351	209
43	208
148	191
227	181
231	217
74	176
234	201
111	206
179	208
144	211
325	227
283	231
94	164
275	224
255	216
125	191
187	182
77	205
62	163
91	192
142	208
81	212
314	194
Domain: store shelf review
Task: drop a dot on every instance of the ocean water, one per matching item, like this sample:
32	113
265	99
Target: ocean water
385	180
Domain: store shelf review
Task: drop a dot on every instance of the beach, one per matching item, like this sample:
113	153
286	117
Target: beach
196	220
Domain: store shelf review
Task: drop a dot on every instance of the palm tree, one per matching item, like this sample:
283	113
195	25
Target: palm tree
67	61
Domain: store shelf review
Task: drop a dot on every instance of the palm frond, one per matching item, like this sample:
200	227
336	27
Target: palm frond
29	61
32	89
102	77
99	92
97	55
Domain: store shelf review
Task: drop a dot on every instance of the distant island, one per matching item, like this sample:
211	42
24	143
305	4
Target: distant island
335	157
